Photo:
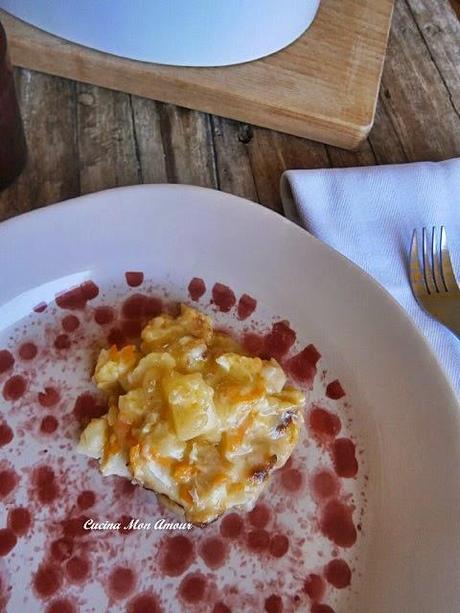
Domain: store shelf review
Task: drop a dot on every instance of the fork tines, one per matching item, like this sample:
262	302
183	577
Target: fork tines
436	276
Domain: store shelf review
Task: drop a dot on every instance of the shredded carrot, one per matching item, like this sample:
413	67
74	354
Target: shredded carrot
235	488
219	478
134	454
127	352
183	471
184	493
161	460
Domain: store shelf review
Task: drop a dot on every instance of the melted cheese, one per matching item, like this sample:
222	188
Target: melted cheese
192	417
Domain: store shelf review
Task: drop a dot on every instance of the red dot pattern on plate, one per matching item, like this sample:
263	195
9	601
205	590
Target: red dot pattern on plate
153	306
74	526
116	337
14	388
178	553
70	323
231	526
279	545
253	343
258	540
259	516
19	520
49	424
131	328
77	297
223	297
279	340
39	308
221	607
274	604
338	573
246	306
77	569
213	550
8	481
6	434
134	306
47	580
45	485
86	408
343	453
324	485
144	603
291	479
49	397
334	390
6	360
121	582
68	556
103	315
314	587
196	288
321	608
8	541
336	523
61	605
124	522
86	499
134	279
62	341
27	351
302	366
192	588
62	549
323	424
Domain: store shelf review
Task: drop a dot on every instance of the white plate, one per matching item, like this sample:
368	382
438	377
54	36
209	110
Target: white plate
177	32
405	418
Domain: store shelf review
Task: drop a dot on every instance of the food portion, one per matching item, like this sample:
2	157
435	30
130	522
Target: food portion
192	417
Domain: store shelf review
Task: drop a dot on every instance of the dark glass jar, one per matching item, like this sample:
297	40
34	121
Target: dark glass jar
13	150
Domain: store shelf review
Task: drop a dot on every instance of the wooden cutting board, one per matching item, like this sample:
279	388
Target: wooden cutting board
323	86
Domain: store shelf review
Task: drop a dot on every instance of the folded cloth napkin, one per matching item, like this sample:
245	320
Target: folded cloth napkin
369	214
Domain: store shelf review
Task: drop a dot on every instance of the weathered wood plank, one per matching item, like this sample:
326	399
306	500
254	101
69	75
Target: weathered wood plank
440	29
232	160
51	175
148	141
188	145
340	158
384	139
105	137
416	99
271	153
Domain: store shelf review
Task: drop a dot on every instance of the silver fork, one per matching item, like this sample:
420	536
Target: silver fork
434	284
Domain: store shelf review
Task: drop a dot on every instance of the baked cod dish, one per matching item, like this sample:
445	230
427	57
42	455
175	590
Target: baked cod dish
192	417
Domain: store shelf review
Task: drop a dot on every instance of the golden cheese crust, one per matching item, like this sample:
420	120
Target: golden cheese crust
192	417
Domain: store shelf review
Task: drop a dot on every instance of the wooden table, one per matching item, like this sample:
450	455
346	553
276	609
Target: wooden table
84	138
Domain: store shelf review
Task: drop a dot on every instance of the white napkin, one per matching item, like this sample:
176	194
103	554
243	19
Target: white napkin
369	214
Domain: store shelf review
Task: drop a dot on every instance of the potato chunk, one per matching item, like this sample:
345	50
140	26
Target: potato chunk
191	402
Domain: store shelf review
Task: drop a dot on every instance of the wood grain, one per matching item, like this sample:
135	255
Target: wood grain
148	140
233	165
105	136
415	96
416	119
49	115
271	153
441	34
188	144
323	86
